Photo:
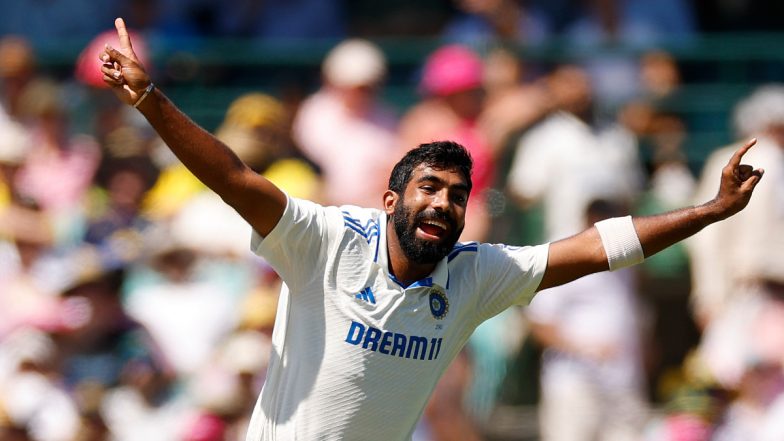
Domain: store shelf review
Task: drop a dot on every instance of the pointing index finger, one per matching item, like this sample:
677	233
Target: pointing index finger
738	155
122	33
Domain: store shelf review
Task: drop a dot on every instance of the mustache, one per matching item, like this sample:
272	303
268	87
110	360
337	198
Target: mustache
436	215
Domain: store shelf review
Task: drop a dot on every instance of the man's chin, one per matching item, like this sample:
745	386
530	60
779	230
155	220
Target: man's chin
427	251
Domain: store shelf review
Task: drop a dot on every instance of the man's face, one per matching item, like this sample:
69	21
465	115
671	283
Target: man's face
429	217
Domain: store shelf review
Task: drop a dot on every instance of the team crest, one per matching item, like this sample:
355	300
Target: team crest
439	305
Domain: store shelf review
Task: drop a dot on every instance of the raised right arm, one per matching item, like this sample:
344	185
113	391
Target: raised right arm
255	198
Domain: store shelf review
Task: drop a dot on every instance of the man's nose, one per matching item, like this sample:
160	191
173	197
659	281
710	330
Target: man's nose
440	201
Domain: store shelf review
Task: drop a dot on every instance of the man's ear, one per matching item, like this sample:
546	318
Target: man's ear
390	200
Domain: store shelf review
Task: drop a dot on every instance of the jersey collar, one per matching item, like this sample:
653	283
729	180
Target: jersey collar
439	277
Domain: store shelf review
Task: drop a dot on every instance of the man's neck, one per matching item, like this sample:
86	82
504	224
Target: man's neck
400	266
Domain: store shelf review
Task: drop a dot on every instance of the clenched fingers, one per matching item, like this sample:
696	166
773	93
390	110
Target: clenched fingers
752	180
111	74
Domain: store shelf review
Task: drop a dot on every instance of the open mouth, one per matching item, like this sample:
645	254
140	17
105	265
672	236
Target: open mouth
433	229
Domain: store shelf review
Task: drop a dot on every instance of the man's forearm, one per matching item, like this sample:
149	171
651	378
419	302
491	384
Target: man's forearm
621	242
255	198
660	231
204	155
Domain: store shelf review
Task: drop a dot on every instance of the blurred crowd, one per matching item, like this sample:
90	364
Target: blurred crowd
131	307
526	20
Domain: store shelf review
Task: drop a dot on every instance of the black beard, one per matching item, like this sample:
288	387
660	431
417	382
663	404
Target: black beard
418	250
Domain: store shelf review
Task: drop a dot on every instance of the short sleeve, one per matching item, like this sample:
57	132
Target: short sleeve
510	276
299	245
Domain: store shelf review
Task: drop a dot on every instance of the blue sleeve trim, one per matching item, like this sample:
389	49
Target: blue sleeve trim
368	231
470	246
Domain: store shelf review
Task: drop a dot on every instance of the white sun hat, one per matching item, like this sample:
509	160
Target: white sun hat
353	63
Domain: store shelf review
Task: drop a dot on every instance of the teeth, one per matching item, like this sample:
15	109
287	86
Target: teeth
436	223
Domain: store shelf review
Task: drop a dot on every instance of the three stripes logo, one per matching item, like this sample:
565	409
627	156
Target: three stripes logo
367	295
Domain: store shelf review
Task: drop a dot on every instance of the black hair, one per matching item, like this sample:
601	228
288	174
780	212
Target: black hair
441	155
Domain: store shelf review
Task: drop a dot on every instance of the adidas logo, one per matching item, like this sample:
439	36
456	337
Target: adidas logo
367	295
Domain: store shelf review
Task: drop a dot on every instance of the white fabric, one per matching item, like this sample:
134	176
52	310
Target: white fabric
566	164
600	314
353	151
131	418
620	241
598	310
208	224
33	400
753	422
320	385
749	246
187	320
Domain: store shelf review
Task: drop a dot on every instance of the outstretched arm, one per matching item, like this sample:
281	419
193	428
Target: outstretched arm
255	198
584	253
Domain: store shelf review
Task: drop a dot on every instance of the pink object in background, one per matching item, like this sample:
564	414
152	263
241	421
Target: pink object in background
686	427
206	427
452	69
88	66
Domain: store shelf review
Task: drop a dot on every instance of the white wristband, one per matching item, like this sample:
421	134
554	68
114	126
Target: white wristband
620	242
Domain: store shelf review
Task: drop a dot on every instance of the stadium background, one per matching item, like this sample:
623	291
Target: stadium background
729	49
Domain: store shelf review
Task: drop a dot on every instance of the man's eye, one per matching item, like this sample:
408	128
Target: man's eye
428	189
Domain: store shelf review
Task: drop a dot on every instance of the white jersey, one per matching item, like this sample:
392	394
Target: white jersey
355	354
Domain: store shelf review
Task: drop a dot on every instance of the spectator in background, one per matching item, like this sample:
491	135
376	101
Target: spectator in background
27	285
738	301
515	99
738	268
43	23
33	398
186	21
258	128
15	145
639	22
115	222
662	132
345	129
99	338
180	275
453	100
593	379
17	70
566	160
146	405
621	25
491	21
282	19
757	408
60	166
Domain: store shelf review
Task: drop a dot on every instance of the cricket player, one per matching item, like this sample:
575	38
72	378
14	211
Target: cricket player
376	303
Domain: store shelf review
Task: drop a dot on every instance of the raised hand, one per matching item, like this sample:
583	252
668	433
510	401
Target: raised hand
737	182
121	68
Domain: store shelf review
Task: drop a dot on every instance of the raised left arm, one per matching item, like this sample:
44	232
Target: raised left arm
585	253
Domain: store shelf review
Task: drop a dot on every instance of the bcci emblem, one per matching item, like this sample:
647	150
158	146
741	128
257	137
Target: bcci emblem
439	305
